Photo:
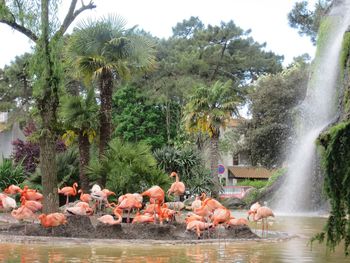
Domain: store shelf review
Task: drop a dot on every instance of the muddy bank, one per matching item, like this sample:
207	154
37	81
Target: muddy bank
88	228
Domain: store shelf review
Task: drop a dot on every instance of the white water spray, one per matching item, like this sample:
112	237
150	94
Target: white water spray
317	112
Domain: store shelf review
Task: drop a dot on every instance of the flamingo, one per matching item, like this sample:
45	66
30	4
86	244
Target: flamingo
79	210
23	213
220	215
69	191
95	188
31	194
193	217
156	194
237	221
12	189
128	202
32	205
198	226
84	197
99	196
177	188
253	208
197	203
8	203
252	211
53	219
146	218
109	220
263	213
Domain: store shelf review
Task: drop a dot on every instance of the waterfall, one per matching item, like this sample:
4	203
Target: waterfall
316	112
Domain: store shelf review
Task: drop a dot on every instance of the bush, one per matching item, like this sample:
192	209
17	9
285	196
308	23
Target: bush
10	173
128	167
258	184
187	162
67	170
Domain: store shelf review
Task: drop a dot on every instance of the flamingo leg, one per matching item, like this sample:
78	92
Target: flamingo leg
128	219
198	232
67	200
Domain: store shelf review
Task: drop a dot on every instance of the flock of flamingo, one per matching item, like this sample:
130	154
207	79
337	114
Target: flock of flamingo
206	212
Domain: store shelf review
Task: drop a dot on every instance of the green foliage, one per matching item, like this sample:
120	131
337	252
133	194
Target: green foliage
345	50
275	176
336	165
258	184
105	46
187	162
251	196
209	108
67	170
273	101
324	32
306	21
129	167
10	173
137	118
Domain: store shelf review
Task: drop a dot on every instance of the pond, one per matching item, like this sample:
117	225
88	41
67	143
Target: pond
272	249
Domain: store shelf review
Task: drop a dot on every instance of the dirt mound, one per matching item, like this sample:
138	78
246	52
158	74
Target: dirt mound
86	227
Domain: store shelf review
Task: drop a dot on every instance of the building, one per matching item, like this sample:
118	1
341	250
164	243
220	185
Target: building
7	135
238	167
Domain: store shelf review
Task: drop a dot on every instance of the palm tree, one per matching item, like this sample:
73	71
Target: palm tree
80	114
105	51
208	110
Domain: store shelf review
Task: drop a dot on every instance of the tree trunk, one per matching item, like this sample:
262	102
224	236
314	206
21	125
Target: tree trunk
48	169
214	159
47	105
106	90
84	157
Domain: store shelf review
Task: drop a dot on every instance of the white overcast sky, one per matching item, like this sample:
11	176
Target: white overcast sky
266	18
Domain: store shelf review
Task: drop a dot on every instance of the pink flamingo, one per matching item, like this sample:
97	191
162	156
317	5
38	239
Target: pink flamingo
69	191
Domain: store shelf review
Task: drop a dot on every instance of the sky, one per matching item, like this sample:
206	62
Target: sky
266	18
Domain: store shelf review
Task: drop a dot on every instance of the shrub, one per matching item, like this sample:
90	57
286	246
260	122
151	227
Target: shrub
10	173
187	162
129	167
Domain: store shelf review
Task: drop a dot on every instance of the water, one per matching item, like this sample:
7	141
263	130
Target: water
316	113
271	250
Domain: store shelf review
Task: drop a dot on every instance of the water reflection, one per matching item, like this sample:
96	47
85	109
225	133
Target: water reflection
270	250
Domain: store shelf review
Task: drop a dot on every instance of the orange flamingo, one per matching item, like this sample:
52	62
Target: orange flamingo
31	194
177	188
193	217
12	189
263	213
198	226
32	205
108	192
146	218
155	194
69	191
130	201
53	219
220	215
84	197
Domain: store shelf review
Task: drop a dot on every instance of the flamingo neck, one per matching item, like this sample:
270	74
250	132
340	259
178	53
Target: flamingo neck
177	178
